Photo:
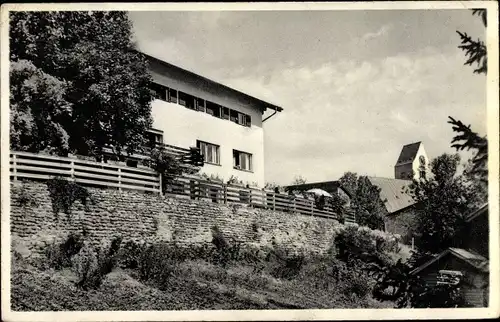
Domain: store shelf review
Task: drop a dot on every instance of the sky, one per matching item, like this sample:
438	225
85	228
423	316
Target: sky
355	86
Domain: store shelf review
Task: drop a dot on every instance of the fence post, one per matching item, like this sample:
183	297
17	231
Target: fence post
14	166
274	200
72	171
191	189
119	179
312	207
161	185
294	205
250	196
224	186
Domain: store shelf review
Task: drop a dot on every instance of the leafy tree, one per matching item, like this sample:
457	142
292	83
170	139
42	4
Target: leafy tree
38	110
365	200
299	180
349	181
476	53
442	200
76	83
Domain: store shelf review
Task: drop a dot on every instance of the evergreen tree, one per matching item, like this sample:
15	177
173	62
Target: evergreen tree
475	51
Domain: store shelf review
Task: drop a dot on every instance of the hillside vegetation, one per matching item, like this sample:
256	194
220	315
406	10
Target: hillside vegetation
74	275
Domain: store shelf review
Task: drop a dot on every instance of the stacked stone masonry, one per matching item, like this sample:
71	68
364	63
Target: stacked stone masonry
140	216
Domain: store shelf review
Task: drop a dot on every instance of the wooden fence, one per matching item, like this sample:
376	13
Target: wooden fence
25	165
43	167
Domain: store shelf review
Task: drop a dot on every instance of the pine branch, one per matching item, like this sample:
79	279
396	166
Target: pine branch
475	51
467	139
481	13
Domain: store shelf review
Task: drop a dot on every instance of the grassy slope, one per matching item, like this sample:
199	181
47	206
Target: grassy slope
195	285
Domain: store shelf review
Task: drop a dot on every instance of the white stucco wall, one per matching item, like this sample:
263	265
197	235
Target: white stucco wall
416	161
182	126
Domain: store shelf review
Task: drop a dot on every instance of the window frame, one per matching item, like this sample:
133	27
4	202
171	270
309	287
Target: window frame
199	144
171	95
239	154
159	91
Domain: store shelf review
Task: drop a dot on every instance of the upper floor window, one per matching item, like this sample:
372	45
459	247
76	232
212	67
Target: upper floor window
200	104
210	152
172	95
158	91
186	100
213	109
242	160
240	118
195	103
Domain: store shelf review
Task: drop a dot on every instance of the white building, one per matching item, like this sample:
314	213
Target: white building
412	163
226	124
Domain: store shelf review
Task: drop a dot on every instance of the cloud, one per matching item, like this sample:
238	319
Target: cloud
356	116
382	32
353	92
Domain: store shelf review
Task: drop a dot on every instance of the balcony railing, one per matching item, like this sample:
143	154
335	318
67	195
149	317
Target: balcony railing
171	149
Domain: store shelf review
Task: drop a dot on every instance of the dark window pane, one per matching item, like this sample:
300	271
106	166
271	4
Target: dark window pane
248	121
158	91
172	97
213	109
225	113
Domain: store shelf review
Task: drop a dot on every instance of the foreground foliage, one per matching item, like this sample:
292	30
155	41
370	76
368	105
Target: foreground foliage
442	201
76	85
363	269
166	276
365	200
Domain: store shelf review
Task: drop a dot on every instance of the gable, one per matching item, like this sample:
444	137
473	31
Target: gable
456	259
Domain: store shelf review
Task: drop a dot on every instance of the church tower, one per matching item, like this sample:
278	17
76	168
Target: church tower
412	163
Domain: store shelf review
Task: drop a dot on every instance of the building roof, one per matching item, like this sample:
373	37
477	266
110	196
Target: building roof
477	261
263	104
392	191
408	153
328	186
476	213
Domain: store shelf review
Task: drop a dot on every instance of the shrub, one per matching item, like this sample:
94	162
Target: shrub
284	264
361	243
59	255
129	255
224	252
64	193
157	264
92	267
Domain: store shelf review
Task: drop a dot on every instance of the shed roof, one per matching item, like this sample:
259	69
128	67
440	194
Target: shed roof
476	213
408	153
475	260
392	191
